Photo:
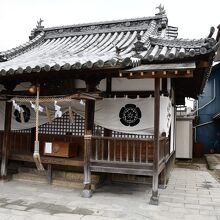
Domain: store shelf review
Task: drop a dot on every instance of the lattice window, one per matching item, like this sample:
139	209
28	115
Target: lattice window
22	131
126	135
63	126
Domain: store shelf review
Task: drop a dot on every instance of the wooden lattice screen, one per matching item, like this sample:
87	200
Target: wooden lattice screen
63	126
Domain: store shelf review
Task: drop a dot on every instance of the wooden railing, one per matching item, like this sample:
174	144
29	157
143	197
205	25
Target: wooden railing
124	150
127	150
23	143
110	149
164	150
129	153
20	143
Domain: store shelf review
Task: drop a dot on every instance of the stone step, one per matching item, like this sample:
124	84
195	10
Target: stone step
30	178
60	178
57	174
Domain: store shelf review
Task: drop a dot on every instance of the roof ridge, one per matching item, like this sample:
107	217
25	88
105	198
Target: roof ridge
134	24
9	54
181	42
155	17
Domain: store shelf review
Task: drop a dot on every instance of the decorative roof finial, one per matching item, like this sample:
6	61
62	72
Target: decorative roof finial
211	32
218	34
161	10
39	24
139	45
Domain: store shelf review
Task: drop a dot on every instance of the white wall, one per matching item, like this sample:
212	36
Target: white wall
123	84
184	139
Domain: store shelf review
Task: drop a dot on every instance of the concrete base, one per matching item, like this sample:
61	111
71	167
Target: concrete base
162	186
86	193
60	178
213	161
154	200
5	178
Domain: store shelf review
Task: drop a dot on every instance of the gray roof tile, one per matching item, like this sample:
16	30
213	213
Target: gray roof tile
103	44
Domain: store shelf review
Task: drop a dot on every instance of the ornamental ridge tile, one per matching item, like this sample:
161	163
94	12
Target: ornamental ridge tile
125	21
179	43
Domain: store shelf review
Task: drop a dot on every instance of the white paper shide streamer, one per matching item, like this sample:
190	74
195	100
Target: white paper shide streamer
58	113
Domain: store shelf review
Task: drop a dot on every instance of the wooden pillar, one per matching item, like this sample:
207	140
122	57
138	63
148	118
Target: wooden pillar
107	133
49	174
89	122
163	173
6	137
154	197
163	178
33	132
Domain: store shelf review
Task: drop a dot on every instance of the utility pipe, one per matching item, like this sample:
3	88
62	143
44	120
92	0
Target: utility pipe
214	96
197	109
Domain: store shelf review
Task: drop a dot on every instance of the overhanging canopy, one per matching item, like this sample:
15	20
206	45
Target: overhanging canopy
104	49
171	70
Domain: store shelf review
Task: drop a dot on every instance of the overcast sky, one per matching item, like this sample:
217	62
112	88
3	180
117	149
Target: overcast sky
18	17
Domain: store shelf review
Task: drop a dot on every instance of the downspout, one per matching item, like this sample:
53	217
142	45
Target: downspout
206	123
214	96
197	114
197	110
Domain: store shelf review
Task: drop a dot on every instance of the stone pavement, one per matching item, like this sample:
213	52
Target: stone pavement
213	161
191	194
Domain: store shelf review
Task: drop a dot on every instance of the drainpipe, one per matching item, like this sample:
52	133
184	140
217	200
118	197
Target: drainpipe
214	96
197	113
203	124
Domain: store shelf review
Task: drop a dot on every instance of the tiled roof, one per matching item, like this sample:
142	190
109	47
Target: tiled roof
111	44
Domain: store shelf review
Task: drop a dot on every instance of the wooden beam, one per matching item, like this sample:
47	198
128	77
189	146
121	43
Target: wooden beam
154	197
122	170
132	94
6	139
164	86
202	64
48	160
108	85
160	74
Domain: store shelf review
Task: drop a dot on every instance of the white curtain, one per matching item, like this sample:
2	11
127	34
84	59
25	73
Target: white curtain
121	114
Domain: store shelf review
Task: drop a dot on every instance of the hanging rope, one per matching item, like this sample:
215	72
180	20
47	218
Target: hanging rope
50	99
36	154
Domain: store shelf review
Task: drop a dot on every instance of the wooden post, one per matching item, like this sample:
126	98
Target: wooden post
89	122
107	133
154	197
6	137
49	174
163	178
33	132
163	174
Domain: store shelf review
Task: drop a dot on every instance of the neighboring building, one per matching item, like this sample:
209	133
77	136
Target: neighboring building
207	127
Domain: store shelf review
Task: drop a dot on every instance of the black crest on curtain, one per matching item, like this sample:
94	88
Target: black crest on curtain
26	113
130	115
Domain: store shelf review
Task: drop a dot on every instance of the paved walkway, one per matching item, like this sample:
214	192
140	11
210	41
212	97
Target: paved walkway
190	195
